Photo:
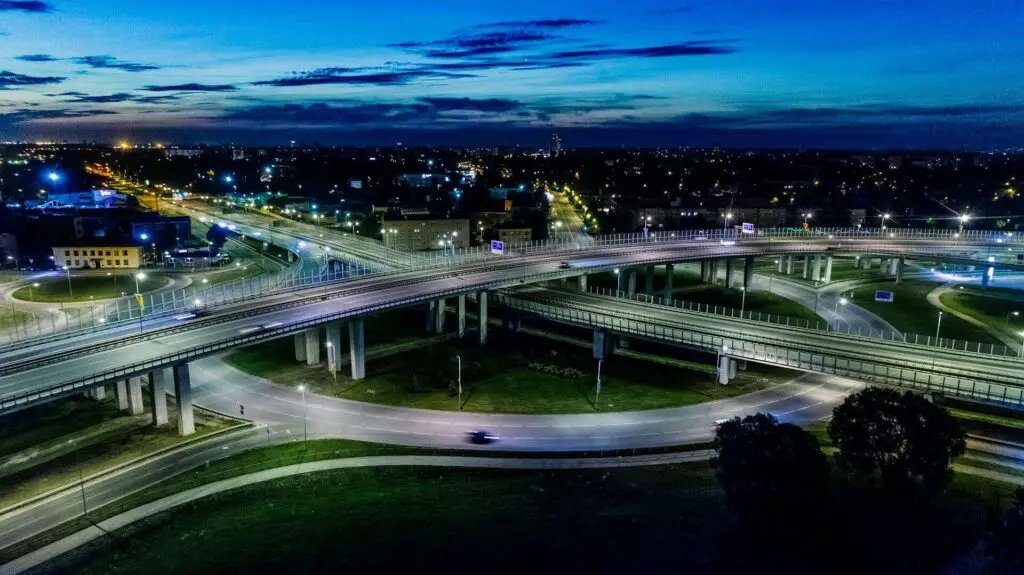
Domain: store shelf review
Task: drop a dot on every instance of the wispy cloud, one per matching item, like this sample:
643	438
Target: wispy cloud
36	58
110	62
352	76
10	80
25	6
193	87
470	104
550	23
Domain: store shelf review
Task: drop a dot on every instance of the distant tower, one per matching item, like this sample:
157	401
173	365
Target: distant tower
556	145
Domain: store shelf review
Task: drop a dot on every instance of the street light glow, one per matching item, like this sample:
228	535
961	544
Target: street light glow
54	177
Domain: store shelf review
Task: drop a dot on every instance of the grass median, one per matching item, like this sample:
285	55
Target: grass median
89	287
910	312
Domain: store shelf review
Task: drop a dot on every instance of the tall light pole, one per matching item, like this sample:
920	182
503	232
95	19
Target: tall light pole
305	434
138	297
1021	345
597	392
839	301
459	359
1013	313
138	276
964	218
938	326
743	301
67	272
31	296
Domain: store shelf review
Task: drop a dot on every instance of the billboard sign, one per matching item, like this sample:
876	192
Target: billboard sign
884	296
497	247
748	228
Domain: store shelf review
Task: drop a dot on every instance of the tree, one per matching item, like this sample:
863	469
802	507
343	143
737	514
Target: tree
216	236
1006	542
770	470
902	438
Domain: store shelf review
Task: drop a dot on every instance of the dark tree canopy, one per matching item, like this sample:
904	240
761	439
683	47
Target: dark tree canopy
768	469
902	438
1006	542
217	237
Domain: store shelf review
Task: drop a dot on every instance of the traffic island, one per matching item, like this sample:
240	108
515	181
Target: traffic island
910	312
90	286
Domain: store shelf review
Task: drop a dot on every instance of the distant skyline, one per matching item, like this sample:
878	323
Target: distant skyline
758	73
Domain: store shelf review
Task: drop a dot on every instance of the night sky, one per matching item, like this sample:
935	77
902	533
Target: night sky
782	73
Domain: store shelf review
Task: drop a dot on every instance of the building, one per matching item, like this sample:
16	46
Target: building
426	234
514	236
760	217
97	257
89	199
184	152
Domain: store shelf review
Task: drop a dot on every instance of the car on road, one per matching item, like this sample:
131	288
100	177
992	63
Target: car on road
564	265
481	437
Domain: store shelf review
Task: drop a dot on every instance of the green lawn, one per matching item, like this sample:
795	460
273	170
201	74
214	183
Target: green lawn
661	519
997	312
10	318
499	378
911	313
48	446
757	301
89	287
227	273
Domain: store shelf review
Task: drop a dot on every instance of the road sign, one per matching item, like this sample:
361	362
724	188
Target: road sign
497	247
748	228
884	296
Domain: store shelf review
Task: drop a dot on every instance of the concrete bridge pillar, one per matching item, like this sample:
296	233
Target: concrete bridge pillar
300	346
865	262
723	369
158	396
183	391
312	345
598	343
816	274
334	345
704	264
441	309
986	276
732	369
807	266
670	271
482	317
431	316
461	321
728	272
713	271
897	269
357	347
98	393
135	396
121	390
828	270
782	264
581	283
649	281
789	265
631	282
748	272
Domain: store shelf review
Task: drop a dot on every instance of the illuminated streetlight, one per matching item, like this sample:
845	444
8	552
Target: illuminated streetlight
305	434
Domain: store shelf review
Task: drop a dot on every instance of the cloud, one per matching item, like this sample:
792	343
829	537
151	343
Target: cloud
110	62
554	23
10	80
21	116
696	48
192	87
346	76
36	58
325	115
104	99
469	104
477	44
156	99
676	10
25	6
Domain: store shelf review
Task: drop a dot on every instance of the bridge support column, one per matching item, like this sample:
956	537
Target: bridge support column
135	396
865	262
816	273
312	345
782	264
482	317
789	265
98	393
670	271
728	272
748	272
431	316
704	264
986	276
183	391
897	269
334	345
357	347
723	369
158	396
461	321
631	282
807	266
581	283
300	347
563	283
649	281
732	369
121	390
828	270
441	310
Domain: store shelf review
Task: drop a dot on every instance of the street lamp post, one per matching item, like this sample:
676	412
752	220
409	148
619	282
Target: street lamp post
67	272
743	301
1021	345
459	380
138	296
938	326
305	434
31	296
597	392
1014	314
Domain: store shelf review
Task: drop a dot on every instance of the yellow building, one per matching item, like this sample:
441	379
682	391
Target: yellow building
97	257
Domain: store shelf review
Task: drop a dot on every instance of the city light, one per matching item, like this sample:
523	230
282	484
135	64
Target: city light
54	177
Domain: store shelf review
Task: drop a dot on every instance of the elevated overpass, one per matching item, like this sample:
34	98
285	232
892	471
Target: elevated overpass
126	350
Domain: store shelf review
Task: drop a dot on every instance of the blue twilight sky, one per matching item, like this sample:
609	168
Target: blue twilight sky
874	73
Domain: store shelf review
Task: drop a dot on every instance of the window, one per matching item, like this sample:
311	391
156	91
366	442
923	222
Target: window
76	252
108	253
92	252
125	253
77	263
117	262
67	253
108	262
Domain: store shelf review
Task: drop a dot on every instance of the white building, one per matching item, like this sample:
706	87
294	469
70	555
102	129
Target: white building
98	257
